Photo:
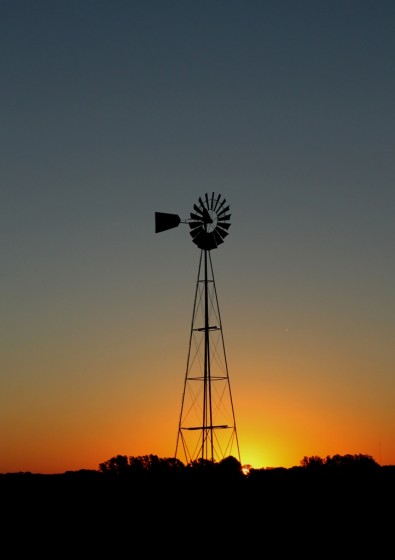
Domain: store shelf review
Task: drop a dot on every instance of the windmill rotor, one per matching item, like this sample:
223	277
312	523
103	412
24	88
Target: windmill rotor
209	222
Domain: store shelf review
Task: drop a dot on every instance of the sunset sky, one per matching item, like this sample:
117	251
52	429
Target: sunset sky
112	110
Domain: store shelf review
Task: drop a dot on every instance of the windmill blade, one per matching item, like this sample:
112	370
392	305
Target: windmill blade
196	234
196	217
212	201
196	229
223	225
217	202
198	209
203	239
218	238
223	233
219	214
211	243
207	242
220	206
223	218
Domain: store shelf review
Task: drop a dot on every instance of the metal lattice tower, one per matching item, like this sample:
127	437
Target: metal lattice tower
207	424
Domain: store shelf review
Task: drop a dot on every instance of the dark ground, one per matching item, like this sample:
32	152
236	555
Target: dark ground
279	513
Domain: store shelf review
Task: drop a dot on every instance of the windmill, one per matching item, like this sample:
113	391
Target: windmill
207	425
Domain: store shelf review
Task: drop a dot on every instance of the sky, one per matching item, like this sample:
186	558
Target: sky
114	110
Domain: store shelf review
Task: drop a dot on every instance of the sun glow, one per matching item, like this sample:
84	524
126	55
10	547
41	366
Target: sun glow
246	469
252	459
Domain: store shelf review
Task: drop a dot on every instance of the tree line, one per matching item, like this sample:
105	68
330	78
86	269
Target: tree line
152	467
123	465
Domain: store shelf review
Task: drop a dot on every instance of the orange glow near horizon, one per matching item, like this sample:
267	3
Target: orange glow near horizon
66	426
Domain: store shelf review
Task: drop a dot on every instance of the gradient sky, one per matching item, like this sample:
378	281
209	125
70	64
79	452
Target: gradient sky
113	110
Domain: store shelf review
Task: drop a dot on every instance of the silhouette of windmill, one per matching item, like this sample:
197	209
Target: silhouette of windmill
207	424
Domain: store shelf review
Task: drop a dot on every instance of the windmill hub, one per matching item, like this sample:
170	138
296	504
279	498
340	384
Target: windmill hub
212	223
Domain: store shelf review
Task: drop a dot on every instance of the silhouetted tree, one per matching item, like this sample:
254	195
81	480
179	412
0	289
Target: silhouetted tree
313	462
340	462
143	465
156	466
115	465
200	468
230	467
351	462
